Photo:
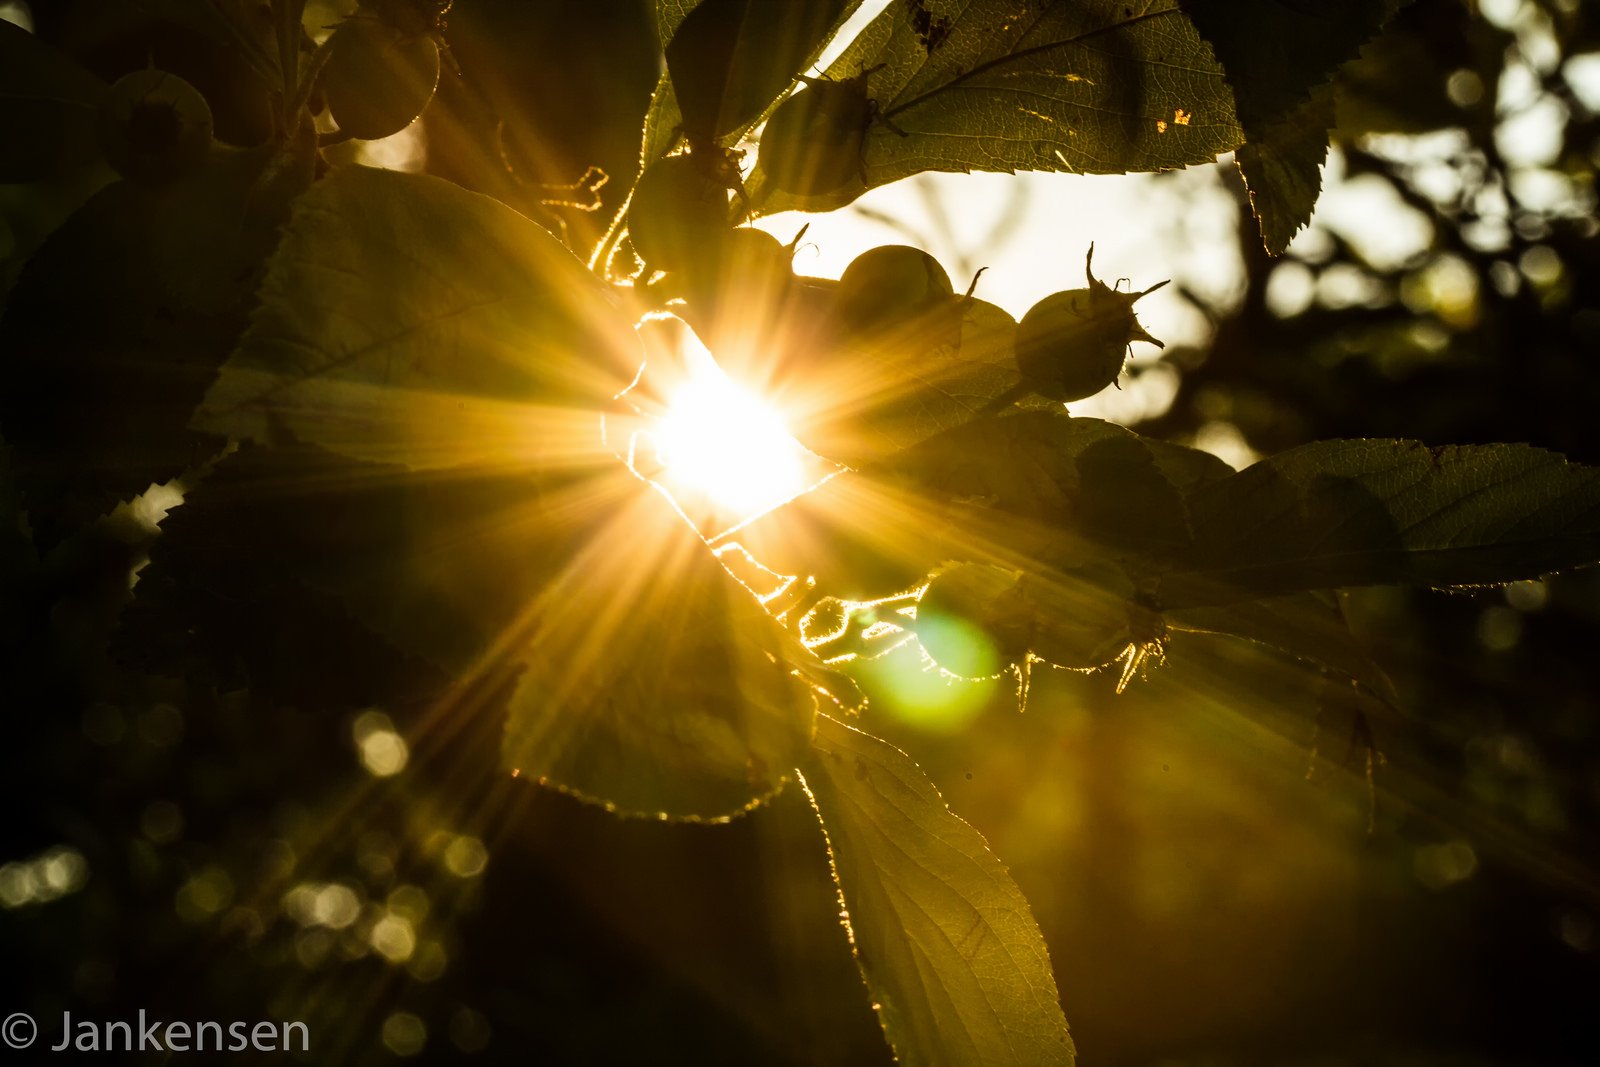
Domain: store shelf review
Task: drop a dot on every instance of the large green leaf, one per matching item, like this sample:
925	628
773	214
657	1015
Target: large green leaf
1274	52
1046	490
663	121
406	320
655	683
1342	513
1279	57
729	59
1282	169
946	941
639	674
663	124
737	64
669	15
234	24
1098	86
1310	626
261	577
118	322
1031	491
48	109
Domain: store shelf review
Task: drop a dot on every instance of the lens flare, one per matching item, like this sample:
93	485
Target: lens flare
724	442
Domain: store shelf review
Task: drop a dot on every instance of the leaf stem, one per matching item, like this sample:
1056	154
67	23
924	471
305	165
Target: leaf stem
288	26
308	80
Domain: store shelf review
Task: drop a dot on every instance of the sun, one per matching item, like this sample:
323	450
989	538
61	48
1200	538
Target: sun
721	441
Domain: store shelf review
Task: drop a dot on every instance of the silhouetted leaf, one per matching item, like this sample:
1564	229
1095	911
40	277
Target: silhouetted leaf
249	583
1046	486
1032	491
404	319
1342	513
1282	168
1279	56
1274	52
949	949
862	538
1187	469
760	49
729	59
650	681
1097	87
242	26
119	321
655	684
1310	626
663	123
48	109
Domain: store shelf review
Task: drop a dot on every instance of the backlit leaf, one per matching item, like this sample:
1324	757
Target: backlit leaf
1310	626
1342	513
653	682
1274	52
118	322
1279	57
1282	168
729	59
640	675
946	941
1045	487
406	320
738	59
49	106
1096	87
1031	491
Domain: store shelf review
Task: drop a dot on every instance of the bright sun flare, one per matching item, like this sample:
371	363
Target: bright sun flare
724	441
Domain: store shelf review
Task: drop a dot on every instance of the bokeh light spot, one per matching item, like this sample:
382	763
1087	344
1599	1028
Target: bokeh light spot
204	895
465	857
1441	866
55	873
1528	596
428	962
393	939
383	751
404	1034
1499	628
410	901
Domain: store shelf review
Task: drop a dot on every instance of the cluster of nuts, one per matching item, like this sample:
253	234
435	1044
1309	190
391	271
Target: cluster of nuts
1069	346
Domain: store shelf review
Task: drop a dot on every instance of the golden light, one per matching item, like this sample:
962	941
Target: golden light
723	442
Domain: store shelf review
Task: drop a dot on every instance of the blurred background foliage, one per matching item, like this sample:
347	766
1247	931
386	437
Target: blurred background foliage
1217	879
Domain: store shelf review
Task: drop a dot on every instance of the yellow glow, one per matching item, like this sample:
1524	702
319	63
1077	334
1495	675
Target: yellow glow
722	441
908	685
383	752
